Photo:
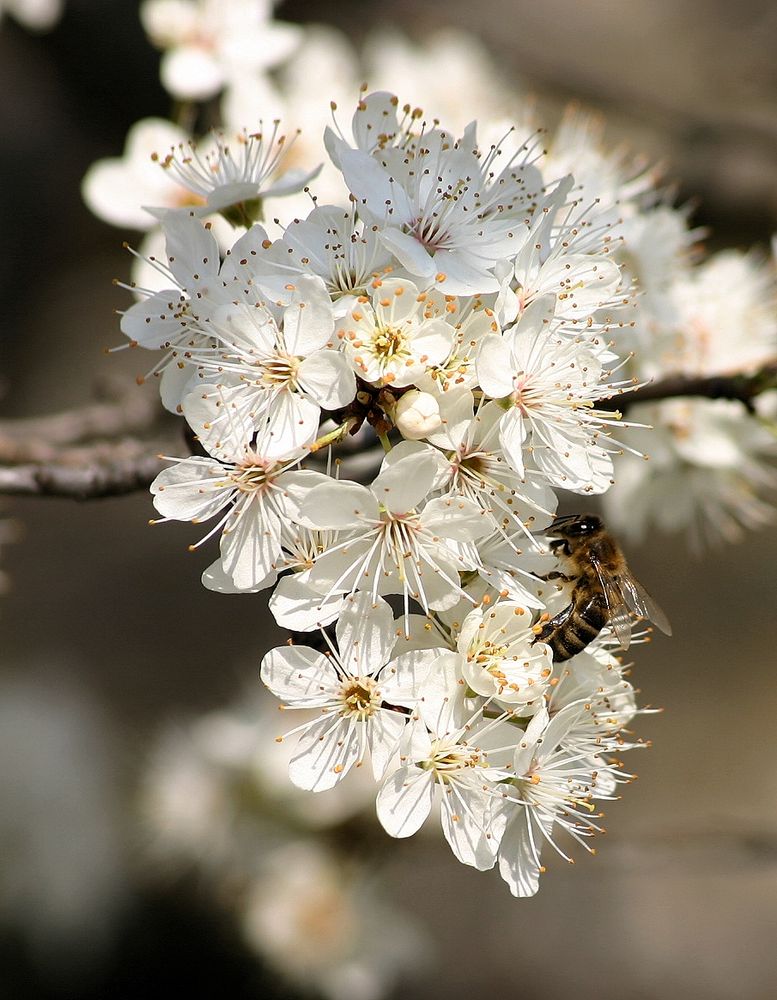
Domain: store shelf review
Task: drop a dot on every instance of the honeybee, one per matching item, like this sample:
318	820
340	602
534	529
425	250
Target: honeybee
605	592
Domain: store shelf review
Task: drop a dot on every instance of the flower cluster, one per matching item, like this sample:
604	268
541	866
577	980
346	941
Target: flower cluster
393	349
450	331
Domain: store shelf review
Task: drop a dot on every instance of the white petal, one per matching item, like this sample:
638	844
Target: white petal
465	825
251	546
519	854
410	253
222	418
214	578
375	116
456	518
154	322
465	274
308	322
326	752
192	250
194	489
433	342
342	572
110	190
377	195
174	384
383	735
328	379
457	413
405	800
405	448
295	486
340	504
442	704
401	680
299	676
190	73
524	752
298	608
292	423
401	485
512	435
365	634
494	366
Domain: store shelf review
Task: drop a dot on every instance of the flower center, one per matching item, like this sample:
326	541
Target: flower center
490	657
361	697
251	478
447	760
388	344
279	370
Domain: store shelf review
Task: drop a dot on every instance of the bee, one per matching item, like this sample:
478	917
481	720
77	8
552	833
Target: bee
605	592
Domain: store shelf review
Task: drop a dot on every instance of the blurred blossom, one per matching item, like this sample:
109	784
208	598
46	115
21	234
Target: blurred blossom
726	314
208	44
321	922
214	788
710	473
118	189
216	795
38	15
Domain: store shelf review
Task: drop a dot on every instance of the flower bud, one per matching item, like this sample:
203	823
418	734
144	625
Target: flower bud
417	415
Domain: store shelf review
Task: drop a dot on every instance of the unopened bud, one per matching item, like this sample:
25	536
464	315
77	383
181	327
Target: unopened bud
417	415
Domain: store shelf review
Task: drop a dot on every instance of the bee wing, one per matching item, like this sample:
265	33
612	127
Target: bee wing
641	603
618	614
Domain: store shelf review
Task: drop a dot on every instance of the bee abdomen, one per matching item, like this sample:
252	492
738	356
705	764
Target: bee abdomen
583	621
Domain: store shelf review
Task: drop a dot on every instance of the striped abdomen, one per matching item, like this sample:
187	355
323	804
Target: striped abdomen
570	631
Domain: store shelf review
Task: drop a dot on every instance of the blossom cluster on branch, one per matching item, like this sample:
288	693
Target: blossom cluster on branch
463	309
393	349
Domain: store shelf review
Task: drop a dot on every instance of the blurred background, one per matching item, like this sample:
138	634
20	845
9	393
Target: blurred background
107	636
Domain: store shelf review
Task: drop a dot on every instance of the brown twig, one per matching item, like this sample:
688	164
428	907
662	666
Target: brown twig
108	469
42	456
40	439
743	388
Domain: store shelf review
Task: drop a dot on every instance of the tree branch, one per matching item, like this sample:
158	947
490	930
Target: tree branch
743	388
42	456
40	439
108	469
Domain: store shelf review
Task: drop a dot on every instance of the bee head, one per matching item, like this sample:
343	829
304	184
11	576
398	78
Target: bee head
574	526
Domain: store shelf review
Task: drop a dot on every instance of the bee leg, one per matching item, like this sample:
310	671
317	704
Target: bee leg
556	622
555	575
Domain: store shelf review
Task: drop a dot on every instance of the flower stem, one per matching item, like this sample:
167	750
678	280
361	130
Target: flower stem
333	436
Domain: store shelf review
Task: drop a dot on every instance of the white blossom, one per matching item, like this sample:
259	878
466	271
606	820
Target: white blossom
447	210
233	174
363	694
456	768
709	473
331	242
263	369
553	787
211	43
501	659
402	543
393	335
249	494
549	384
116	189
322	925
